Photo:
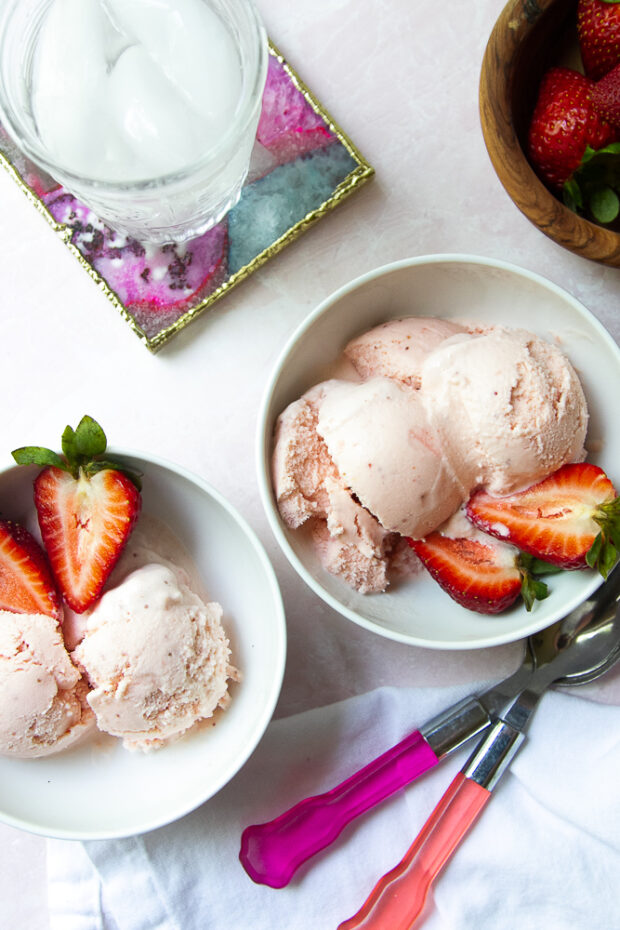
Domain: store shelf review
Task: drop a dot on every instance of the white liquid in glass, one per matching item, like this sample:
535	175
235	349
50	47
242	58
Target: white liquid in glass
127	90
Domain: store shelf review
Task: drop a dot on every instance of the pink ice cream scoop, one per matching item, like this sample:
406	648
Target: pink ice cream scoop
396	349
508	406
156	656
349	540
43	708
379	436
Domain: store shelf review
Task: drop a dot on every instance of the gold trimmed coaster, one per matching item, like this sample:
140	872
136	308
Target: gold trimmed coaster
303	165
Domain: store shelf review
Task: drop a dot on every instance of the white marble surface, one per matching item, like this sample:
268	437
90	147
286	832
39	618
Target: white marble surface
403	83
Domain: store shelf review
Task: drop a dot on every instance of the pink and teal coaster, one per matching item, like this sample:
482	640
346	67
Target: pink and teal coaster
302	166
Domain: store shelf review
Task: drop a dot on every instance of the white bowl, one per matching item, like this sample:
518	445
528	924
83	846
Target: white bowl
451	286
99	789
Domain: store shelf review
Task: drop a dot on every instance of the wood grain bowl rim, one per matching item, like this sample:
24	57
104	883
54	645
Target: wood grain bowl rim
515	25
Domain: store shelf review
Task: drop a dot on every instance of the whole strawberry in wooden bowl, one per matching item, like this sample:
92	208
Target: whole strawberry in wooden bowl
550	116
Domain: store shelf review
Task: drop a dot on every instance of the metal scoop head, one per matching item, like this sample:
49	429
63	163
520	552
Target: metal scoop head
584	644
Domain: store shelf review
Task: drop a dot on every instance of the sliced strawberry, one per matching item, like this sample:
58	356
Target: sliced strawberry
87	508
570	519
85	523
26	582
485	577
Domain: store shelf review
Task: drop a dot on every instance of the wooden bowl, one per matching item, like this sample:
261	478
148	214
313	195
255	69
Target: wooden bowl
528	38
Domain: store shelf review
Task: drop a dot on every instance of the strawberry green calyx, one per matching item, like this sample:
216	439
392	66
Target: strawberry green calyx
593	190
532	589
83	450
603	552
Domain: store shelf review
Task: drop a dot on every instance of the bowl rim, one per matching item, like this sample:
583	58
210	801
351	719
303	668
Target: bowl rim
264	440
270	695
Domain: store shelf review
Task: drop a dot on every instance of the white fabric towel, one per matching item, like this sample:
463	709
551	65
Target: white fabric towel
544	855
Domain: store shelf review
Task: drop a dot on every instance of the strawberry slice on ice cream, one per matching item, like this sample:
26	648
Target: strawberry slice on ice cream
484	577
86	507
26	582
570	519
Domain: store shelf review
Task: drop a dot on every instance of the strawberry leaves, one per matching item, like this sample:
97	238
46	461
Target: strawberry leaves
532	588
603	553
593	190
86	442
82	448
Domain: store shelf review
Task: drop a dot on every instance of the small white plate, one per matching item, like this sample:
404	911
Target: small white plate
100	790
454	287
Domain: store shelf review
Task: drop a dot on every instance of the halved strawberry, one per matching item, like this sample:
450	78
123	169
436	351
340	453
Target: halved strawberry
570	519
86	507
485	577
26	582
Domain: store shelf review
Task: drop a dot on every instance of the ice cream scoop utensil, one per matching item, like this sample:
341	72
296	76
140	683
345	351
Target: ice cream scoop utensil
272	852
398	898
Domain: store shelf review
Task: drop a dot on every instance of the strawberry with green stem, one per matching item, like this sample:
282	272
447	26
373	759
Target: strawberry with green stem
86	507
486	577
574	150
570	519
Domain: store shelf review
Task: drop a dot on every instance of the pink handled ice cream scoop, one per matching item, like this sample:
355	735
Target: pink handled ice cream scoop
272	852
398	898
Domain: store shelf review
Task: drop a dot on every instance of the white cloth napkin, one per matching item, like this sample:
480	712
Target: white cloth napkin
544	855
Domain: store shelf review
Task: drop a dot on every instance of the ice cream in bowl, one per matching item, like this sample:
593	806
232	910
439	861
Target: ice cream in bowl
136	674
422	434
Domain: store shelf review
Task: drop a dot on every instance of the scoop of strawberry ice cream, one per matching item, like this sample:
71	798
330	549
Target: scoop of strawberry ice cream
508	406
309	489
43	707
379	436
397	348
156	656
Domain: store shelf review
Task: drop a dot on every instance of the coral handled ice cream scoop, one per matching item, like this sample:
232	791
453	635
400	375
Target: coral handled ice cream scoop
272	852
583	652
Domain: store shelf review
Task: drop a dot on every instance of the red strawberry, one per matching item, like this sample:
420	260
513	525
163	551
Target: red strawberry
26	582
485	577
606	97
598	31
563	125
570	519
86	507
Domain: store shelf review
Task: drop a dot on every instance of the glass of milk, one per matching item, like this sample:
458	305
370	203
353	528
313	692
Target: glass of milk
145	110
